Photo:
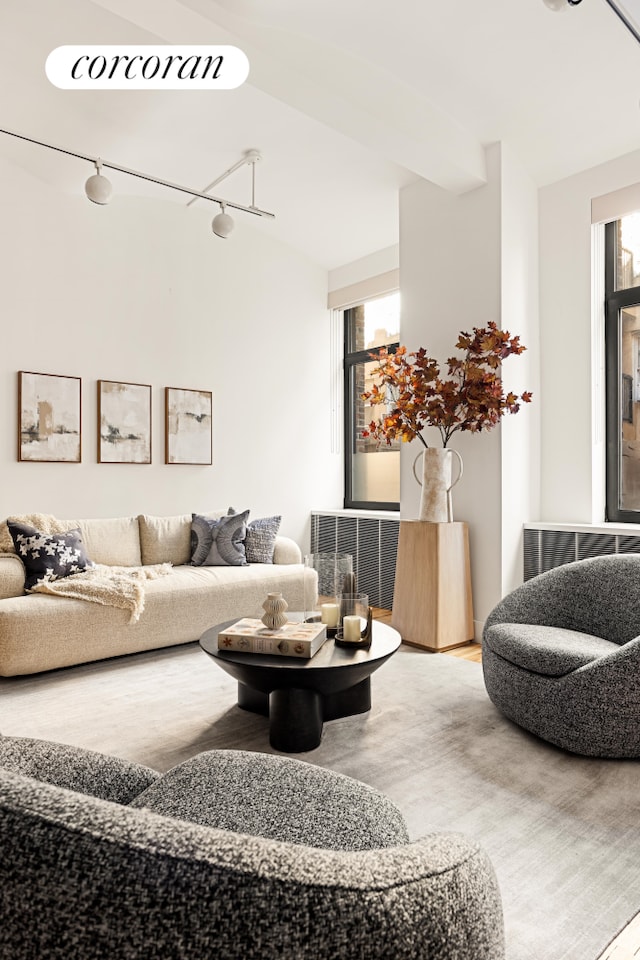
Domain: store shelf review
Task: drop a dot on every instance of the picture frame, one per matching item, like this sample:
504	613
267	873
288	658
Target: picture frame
49	417
124	422
188	426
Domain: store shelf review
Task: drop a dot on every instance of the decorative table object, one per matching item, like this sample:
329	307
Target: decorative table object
274	607
330	614
291	639
436	483
335	576
356	617
415	395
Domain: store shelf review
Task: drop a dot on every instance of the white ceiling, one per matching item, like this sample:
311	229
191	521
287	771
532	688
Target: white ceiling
347	100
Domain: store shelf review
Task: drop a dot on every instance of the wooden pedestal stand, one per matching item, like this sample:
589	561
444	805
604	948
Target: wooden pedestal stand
432	604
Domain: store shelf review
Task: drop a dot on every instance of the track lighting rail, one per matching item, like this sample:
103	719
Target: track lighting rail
256	211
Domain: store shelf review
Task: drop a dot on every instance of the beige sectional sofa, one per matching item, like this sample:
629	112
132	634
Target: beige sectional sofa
40	632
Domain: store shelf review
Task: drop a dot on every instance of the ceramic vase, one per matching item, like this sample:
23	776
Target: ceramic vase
274	607
437	483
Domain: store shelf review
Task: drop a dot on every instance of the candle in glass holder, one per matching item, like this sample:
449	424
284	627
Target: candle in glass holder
330	614
351	629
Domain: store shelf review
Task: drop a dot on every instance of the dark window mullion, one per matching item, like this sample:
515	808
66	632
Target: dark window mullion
615	302
352	358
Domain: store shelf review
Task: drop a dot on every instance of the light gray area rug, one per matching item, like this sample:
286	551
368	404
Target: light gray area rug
562	831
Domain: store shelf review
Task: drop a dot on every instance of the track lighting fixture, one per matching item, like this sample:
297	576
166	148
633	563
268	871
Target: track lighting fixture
98	188
222	224
561	4
625	10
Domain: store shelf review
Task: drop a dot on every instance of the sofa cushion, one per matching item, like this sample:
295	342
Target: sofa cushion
48	556
165	539
552	651
113	540
219	543
168	539
280	798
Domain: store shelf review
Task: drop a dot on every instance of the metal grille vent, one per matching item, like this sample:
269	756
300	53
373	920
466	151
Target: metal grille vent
372	543
546	549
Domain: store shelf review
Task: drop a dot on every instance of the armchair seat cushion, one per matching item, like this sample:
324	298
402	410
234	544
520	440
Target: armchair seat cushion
278	798
550	651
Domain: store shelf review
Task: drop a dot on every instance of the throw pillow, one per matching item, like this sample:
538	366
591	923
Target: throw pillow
261	536
48	556
260	541
218	543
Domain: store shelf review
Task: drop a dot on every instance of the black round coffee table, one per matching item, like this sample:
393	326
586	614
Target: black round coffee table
299	695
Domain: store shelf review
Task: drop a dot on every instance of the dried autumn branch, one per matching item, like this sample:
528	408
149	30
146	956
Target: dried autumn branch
416	396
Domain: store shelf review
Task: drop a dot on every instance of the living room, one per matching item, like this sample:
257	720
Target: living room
476	197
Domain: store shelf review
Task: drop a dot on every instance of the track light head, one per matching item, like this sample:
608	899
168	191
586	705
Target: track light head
97	188
561	4
222	224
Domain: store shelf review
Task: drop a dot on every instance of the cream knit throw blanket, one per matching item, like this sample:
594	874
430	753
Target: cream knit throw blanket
122	587
44	522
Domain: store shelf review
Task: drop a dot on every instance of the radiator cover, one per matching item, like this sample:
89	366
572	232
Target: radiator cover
373	544
548	548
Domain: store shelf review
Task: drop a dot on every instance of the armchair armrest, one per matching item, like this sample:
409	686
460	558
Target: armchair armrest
85	771
600	596
116	880
12	575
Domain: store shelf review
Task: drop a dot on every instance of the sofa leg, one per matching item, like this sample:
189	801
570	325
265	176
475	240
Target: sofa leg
295	720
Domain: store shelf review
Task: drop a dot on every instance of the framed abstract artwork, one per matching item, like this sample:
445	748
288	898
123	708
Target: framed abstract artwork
49	417
124	422
188	415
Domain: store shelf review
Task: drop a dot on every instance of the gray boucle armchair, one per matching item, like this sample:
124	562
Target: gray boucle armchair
561	656
102	858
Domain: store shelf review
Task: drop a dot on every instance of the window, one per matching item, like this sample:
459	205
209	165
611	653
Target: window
622	333
372	473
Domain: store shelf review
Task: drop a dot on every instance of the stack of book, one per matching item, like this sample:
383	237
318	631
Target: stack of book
291	640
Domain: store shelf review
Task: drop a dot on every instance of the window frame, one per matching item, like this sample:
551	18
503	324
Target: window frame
615	301
351	359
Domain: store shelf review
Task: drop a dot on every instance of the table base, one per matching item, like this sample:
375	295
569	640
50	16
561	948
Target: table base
296	715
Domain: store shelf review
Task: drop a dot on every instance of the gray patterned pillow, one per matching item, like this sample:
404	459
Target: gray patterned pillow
261	539
48	556
218	543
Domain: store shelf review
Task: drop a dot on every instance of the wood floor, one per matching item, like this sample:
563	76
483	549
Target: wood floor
469	651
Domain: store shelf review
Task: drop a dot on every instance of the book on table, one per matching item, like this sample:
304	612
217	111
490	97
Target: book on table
291	640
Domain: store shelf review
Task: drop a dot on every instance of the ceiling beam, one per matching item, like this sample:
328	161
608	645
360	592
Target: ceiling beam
358	98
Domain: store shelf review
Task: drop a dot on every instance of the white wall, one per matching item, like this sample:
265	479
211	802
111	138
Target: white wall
466	260
141	291
520	433
381	261
572	383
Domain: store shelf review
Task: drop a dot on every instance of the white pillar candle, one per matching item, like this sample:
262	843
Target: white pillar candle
351	629
330	614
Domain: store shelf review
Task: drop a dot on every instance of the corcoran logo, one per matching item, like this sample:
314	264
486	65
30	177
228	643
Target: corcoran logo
146	67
